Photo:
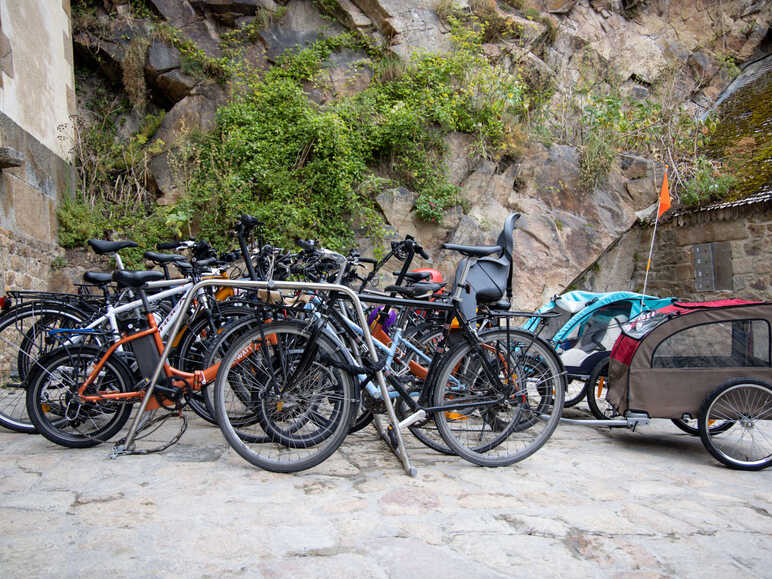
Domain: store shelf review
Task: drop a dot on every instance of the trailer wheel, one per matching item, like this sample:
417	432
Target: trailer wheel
746	403
597	388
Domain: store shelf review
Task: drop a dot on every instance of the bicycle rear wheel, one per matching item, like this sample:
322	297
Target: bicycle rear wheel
280	400
427	338
24	338
504	397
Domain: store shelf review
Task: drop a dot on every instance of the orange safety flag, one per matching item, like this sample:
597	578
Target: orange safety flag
664	196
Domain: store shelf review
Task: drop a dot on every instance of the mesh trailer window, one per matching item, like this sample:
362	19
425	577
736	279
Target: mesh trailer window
730	344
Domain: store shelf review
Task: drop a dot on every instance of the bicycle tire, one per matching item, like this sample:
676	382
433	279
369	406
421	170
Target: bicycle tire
257	376
596	389
54	409
534	397
689	428
23	332
217	351
194	346
427	336
747	404
574	397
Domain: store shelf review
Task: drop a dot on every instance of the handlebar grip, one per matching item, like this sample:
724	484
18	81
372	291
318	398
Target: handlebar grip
420	251
368	260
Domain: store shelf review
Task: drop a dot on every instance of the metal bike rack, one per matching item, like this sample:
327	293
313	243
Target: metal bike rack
400	451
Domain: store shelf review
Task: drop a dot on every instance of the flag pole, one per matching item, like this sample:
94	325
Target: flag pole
664	190
651	251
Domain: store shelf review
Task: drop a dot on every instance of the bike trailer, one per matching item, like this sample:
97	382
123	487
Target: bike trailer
589	324
667	362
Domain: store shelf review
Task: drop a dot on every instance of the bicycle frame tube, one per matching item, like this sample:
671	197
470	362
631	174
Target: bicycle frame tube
113	311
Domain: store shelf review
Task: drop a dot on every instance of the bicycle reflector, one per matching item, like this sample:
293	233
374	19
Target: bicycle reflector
4	303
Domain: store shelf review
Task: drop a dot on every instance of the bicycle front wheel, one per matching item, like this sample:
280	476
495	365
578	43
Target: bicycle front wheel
281	400
498	401
60	414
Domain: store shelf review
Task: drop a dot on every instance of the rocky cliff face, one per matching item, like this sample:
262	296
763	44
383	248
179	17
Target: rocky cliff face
684	52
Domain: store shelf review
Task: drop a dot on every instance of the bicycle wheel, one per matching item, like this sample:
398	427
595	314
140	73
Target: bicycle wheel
504	397
215	353
692	426
56	409
426	338
575	392
280	400
24	338
193	348
596	389
746	404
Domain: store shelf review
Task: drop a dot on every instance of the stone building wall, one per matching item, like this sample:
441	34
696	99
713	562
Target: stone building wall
37	100
706	255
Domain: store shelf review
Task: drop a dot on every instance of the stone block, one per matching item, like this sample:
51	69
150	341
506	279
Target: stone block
710	232
684	272
752	248
31	210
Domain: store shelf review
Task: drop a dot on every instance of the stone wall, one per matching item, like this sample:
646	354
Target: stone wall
28	264
728	250
36	101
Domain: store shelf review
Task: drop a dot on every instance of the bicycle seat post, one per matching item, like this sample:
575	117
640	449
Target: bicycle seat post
118	261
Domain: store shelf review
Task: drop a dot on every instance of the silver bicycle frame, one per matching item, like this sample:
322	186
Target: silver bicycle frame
400	451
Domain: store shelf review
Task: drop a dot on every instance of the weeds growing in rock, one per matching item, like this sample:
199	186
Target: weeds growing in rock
304	168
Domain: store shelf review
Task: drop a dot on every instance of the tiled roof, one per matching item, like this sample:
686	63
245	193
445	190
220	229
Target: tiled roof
761	197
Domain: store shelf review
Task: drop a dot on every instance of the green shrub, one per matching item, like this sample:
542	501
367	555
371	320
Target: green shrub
706	185
304	169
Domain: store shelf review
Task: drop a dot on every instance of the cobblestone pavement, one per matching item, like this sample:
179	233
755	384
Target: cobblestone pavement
592	502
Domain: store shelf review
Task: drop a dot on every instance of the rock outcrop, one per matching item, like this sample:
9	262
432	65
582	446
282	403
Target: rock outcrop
565	46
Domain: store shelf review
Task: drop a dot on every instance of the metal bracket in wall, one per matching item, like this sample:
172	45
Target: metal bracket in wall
10	158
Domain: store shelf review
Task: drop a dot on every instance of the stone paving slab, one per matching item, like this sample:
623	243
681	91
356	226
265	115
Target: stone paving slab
591	503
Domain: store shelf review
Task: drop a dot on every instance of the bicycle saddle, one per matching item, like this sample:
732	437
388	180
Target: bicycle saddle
184	267
414	275
162	258
473	250
136	278
101	247
416	291
97	278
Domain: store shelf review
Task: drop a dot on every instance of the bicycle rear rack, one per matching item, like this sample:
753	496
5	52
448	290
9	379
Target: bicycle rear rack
390	434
